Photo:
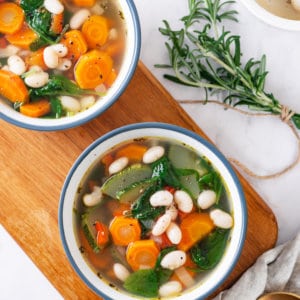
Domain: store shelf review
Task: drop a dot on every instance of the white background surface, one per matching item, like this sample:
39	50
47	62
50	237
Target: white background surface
264	145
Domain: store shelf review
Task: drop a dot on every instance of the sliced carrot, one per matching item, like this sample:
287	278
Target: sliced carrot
57	23
92	69
111	78
194	227
11	17
36	109
141	254
134	152
36	59
23	37
124	230
75	43
102	234
12	87
121	208
84	3
95	31
3	42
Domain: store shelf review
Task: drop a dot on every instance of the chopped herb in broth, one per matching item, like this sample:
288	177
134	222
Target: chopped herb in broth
280	8
149	211
59	57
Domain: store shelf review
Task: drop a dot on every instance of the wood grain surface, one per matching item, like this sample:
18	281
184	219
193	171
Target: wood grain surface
34	166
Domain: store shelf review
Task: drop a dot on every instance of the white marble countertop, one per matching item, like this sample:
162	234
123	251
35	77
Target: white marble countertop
265	145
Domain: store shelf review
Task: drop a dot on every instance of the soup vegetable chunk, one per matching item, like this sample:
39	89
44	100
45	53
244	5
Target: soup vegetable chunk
57	58
153	217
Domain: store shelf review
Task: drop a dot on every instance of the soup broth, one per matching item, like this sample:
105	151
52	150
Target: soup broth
122	207
280	8
58	64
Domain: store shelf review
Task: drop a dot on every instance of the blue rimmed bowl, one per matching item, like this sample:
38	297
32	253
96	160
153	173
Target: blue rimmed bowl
95	151
127	69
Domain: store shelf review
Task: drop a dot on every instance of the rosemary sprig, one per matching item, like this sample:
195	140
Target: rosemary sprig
201	55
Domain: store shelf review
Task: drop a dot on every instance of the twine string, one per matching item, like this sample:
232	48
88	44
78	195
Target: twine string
285	115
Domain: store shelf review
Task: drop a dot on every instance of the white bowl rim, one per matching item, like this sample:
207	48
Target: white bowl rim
57	126
165	126
269	18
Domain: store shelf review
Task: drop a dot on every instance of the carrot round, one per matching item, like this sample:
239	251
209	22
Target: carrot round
93	69
75	43
11	17
95	31
36	59
36	109
133	152
111	78
194	227
12	87
141	254
84	3
23	37
124	230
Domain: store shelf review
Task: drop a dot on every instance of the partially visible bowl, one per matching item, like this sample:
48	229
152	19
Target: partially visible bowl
129	62
269	18
91	157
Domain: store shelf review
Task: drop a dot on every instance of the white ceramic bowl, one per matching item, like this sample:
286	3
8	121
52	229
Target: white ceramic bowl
133	44
270	18
94	153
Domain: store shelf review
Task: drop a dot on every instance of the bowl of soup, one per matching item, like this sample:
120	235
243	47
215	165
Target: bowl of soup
152	210
63	63
284	14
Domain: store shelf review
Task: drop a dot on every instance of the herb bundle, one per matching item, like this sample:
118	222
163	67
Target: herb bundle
201	55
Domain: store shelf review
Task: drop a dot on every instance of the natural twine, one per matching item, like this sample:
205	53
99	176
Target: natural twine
285	116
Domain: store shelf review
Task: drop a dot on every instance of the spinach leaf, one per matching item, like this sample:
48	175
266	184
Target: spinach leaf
59	85
209	252
213	181
143	283
56	108
165	172
30	5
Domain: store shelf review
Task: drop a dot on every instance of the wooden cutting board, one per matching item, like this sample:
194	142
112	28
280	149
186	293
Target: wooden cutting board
34	166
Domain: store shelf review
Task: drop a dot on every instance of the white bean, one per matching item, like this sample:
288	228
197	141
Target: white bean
36	69
70	104
161	225
60	49
174	233
161	198
172	211
184	201
79	18
37	79
16	64
170	288
93	198
101	88
8	51
54	6
173	260
120	271
206	199
5	68
118	165
153	154
86	102
221	218
64	64
50	57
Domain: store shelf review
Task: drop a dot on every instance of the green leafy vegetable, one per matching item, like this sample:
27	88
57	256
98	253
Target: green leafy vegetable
143	283
209	252
59	85
213	181
203	57
29	5
56	108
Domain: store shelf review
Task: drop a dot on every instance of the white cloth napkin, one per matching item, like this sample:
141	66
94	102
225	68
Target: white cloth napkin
276	270
19	277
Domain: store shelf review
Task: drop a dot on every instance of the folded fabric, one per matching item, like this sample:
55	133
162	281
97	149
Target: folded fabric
277	269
